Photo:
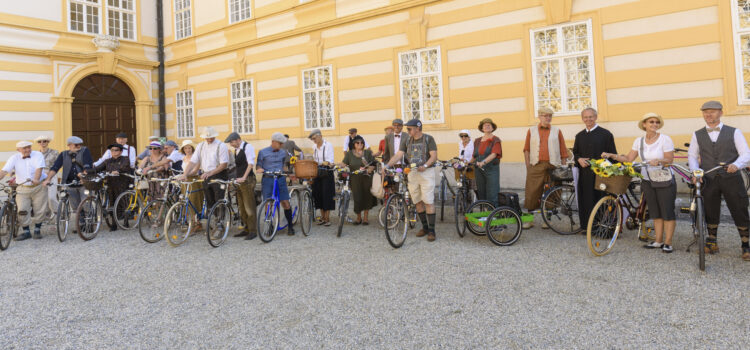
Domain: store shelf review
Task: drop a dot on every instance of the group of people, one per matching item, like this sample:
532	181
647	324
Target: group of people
544	150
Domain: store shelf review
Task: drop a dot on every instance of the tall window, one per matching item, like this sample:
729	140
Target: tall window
318	92
243	120
185	120
84	16
121	18
421	85
741	19
239	10
182	22
563	67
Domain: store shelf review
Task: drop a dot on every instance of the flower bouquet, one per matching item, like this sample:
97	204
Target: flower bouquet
613	177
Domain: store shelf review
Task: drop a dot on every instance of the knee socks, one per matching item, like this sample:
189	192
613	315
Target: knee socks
288	215
744	236
423	219
431	222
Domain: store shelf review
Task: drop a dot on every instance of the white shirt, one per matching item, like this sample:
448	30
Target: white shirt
592	129
25	168
249	153
739	143
653	151
206	154
324	153
397	143
468	150
175	156
127	151
346	142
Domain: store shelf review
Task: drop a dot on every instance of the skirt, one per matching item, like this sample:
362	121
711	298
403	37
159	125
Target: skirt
323	190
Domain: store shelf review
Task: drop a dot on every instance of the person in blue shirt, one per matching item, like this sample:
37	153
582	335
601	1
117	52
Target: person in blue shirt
275	158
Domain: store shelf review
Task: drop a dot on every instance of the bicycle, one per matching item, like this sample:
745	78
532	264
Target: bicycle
304	205
128	204
399	209
178	224
445	187
8	216
559	207
62	222
269	210
346	193
389	187
464	195
221	216
91	209
151	218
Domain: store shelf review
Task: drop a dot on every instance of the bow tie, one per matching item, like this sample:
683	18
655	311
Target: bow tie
275	150
544	127
717	129
396	135
26	157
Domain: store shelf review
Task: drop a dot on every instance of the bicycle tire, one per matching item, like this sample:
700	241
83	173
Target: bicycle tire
381	216
62	222
560	210
307	212
508	228
396	216
268	220
107	209
151	221
459	212
127	208
746	179
604	225
6	227
294	204
481	206
702	231
90	212
443	194
218	223
343	210
178	225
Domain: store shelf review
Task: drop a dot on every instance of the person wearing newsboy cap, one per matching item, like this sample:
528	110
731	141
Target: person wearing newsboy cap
270	159
393	140
29	167
127	151
244	158
72	161
714	145
348	140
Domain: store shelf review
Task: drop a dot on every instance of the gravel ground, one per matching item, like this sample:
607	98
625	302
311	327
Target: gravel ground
546	291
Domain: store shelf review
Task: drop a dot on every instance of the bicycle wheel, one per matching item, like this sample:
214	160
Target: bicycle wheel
218	224
397	220
746	179
343	210
127	209
459	211
62	223
443	195
484	207
604	225
294	198
504	226
560	210
89	216
268	220
178	224
307	212
381	216
151	221
6	227
107	209
700	233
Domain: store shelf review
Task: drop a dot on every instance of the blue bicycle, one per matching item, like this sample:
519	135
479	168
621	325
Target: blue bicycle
179	221
269	211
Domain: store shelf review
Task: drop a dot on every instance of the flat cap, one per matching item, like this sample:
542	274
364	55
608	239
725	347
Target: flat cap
352	130
74	140
122	135
22	144
171	144
398	121
712	105
313	133
278	137
233	136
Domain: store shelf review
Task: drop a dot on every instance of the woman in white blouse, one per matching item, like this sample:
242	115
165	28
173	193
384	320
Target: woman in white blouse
465	146
656	150
323	188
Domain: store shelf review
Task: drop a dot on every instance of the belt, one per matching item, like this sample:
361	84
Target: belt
28	186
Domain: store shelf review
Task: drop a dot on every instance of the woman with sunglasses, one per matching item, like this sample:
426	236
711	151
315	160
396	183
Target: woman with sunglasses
358	157
50	155
151	164
656	150
465	146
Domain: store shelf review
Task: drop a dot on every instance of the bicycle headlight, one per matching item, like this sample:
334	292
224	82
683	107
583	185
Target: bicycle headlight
130	186
63	194
86	192
459	184
223	186
698	172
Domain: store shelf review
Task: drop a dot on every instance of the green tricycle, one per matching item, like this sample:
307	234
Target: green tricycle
505	221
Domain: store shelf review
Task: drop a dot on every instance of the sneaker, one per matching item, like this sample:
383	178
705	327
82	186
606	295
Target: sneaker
746	253
431	236
545	226
421	233
667	248
528	225
655	245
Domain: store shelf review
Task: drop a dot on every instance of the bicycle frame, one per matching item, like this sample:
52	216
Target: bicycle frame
189	205
276	198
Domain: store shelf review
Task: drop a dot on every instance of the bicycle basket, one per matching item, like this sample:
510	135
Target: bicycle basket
616	185
92	183
468	172
561	174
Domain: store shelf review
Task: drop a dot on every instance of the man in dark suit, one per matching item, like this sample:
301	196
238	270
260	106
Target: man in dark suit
394	140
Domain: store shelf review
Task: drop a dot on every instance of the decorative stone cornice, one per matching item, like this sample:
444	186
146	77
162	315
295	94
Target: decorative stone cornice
106	43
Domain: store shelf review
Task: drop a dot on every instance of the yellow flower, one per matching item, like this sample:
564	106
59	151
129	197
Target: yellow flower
628	163
292	160
597	171
604	175
618	164
599	161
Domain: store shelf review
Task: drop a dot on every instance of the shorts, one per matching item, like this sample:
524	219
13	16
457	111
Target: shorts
422	186
267	187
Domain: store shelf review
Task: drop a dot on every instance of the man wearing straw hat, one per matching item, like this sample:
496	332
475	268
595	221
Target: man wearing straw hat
50	155
244	158
29	167
543	151
212	156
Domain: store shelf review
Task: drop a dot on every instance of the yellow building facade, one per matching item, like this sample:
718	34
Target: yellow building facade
262	66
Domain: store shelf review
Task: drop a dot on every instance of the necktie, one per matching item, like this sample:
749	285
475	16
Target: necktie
717	129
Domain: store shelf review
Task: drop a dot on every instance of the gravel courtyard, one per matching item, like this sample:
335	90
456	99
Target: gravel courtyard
546	291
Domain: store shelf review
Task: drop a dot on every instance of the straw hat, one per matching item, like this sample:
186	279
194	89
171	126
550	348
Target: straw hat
485	121
43	138
209	132
648	116
186	143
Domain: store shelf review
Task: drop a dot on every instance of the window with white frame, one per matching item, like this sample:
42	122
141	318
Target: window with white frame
563	67
84	16
239	10
318	94
420	75
741	29
185	120
121	18
183	26
243	118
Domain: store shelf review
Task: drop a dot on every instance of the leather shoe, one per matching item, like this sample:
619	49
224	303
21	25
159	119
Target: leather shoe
421	233
251	235
431	236
746	254
241	234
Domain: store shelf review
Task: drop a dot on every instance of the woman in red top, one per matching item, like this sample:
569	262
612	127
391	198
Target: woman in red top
487	153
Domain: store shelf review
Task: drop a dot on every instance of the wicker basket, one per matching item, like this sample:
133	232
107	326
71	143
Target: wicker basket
468	172
306	169
616	185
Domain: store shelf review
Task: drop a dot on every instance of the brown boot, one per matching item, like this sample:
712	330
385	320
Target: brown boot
745	253
431	236
421	233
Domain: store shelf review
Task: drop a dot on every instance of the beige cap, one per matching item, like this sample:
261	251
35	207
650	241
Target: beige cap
22	144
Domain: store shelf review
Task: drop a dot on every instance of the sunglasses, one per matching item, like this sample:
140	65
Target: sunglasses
462	136
43	141
78	145
154	148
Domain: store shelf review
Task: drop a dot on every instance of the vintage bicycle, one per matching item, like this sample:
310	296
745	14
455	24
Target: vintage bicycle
62	222
94	207
178	225
345	196
8	215
151	218
269	211
559	207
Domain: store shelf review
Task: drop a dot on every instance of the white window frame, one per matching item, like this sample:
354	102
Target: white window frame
122	11
421	75
317	91
242	108
737	33
184	134
560	56
84	3
189	28
239	3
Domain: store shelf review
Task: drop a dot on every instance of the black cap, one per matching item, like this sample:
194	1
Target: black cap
414	122
115	145
122	135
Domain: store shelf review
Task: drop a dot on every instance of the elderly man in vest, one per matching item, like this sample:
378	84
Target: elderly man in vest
544	150
719	144
29	167
244	155
72	162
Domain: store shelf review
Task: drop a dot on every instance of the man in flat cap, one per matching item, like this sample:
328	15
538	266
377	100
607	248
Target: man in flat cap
393	141
73	161
290	146
274	158
348	140
29	167
244	158
713	145
127	151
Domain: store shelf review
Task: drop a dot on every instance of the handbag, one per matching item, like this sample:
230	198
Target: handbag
658	177
377	189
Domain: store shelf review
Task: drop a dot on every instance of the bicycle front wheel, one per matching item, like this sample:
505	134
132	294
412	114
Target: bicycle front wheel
560	210
218	224
306	213
460	205
268	220
151	221
89	216
127	209
701	231
6	227
504	226
604	225
62	222
294	204
178	224
343	209
396	220
482	209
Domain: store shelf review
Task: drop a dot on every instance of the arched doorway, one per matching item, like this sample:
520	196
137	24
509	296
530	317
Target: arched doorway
103	106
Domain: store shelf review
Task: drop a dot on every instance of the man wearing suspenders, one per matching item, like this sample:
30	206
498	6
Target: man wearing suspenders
244	158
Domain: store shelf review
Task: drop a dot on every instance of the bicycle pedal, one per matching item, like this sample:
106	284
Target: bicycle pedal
685	210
